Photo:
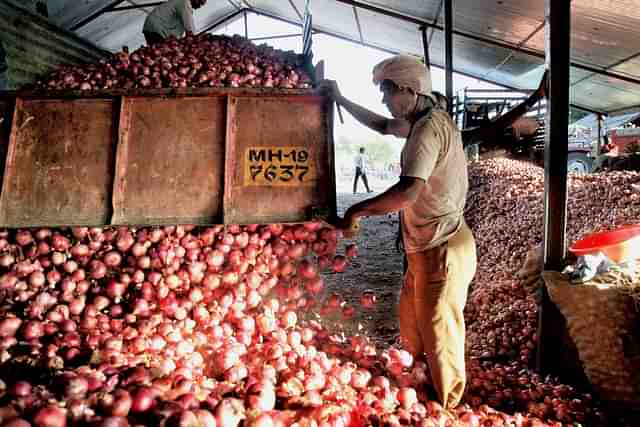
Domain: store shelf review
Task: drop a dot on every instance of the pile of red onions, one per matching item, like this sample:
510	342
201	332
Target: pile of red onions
203	60
505	212
185	326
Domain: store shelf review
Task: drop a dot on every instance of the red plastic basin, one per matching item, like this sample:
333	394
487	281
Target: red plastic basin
619	245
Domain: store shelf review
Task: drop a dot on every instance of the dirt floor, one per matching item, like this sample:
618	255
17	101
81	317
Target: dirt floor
378	268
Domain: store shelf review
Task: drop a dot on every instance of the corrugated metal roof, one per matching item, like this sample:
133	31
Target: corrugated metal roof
500	41
34	46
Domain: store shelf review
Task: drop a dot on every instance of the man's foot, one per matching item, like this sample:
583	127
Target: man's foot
370	191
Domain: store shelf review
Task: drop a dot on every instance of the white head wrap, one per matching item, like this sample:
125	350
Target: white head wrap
405	71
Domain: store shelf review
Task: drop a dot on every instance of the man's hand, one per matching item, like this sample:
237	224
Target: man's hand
349	224
330	89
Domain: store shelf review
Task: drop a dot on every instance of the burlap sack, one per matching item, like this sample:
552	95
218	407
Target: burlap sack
604	324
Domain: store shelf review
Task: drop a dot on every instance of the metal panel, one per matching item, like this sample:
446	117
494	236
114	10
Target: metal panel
339	17
273	185
476	57
508	21
281	8
604	32
113	30
35	47
630	67
519	70
424	9
170	161
70	12
211	12
382	30
606	93
52	176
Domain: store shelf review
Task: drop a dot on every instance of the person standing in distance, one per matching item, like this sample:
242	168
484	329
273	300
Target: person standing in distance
360	163
172	18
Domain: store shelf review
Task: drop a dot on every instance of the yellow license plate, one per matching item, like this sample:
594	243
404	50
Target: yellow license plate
278	166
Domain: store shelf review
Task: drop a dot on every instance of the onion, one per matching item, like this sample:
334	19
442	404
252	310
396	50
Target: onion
50	416
112	259
143	400
9	326
20	389
6	260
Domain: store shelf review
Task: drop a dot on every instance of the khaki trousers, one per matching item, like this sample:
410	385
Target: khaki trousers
431	311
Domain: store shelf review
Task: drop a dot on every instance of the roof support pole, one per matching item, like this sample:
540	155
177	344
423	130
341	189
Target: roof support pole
425	46
599	143
246	26
448	52
557	47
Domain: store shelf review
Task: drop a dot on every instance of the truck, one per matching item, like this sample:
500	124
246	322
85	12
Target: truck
154	156
525	138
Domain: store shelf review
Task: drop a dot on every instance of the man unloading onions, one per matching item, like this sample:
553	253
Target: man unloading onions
430	196
172	18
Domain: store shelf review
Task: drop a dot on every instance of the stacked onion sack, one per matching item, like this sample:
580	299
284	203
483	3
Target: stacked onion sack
505	211
194	61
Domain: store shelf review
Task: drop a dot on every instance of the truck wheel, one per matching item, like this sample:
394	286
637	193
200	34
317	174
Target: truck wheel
579	163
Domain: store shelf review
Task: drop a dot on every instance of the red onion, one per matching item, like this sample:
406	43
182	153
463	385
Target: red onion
50	416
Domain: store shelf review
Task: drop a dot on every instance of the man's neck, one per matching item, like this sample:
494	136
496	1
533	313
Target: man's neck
423	104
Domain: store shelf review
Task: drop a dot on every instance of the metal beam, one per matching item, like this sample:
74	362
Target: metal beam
282	36
425	47
435	20
504	45
448	52
246	25
233	3
135	6
295	8
556	145
558	48
223	20
95	15
355	14
599	141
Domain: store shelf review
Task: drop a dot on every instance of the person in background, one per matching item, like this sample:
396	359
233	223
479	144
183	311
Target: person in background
172	18
4	69
430	196
360	162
